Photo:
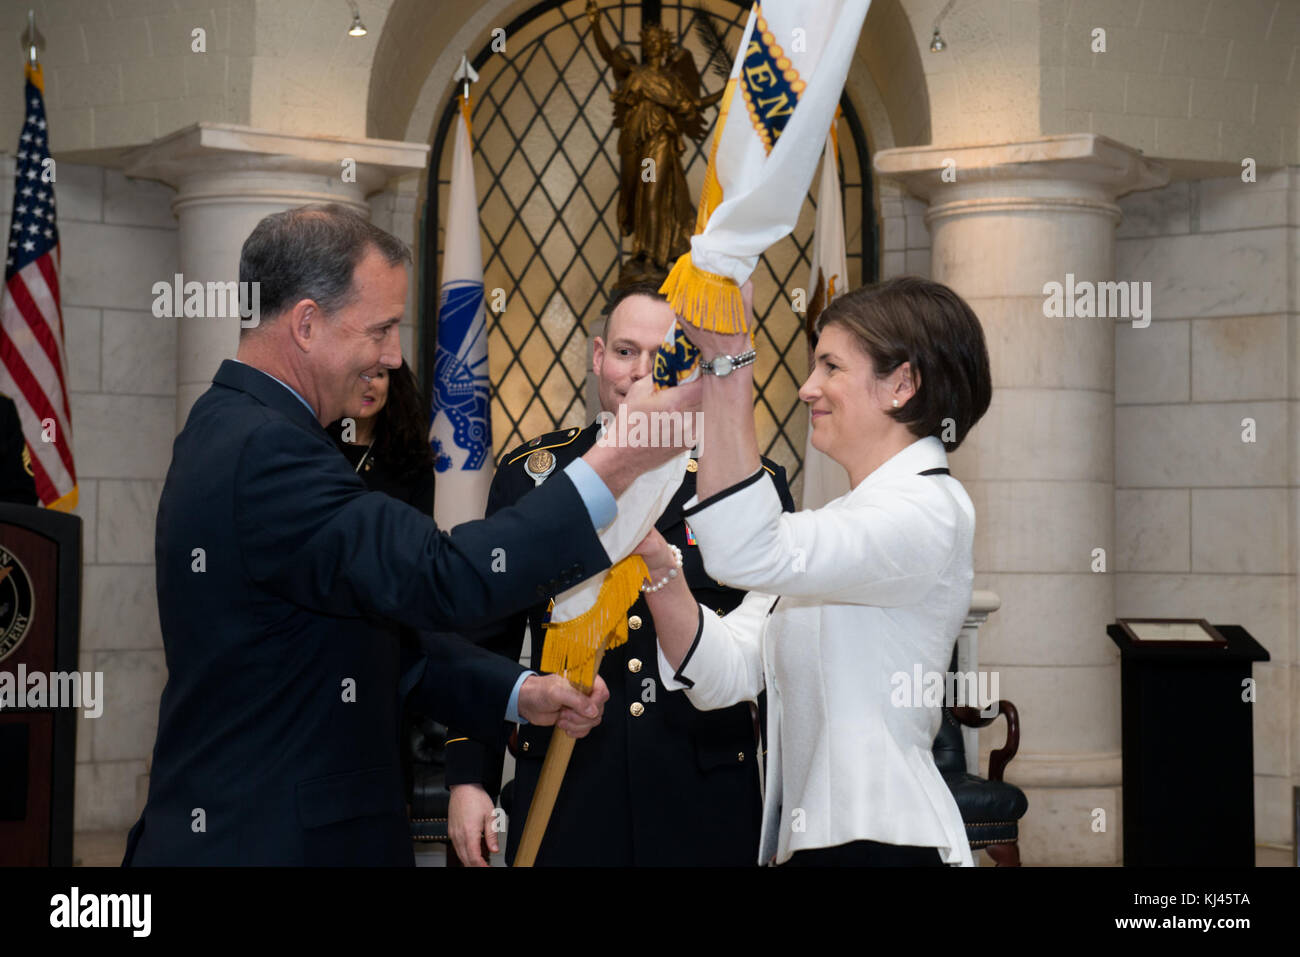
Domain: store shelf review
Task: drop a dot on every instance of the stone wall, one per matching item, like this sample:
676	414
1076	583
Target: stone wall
1205	523
118	238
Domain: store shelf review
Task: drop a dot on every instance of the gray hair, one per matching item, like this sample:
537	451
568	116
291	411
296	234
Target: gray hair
310	253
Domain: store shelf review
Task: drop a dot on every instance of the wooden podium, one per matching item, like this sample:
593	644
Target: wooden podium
40	618
1188	765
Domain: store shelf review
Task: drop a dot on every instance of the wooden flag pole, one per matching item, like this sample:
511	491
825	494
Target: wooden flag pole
548	786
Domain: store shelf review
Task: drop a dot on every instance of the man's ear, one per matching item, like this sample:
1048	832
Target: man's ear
597	354
304	323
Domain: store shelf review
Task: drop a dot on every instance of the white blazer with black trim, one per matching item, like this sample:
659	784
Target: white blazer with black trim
870	585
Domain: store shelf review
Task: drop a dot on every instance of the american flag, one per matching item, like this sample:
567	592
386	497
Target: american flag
32	358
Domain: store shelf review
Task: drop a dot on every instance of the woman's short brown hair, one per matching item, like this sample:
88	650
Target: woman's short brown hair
909	319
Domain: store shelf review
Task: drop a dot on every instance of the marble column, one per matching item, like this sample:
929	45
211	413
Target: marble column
1006	220
229	177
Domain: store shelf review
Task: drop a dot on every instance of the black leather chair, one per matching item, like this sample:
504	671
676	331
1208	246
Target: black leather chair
427	793
990	807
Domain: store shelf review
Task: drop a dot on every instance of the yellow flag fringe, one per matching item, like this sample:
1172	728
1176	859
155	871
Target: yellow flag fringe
571	646
711	192
703	299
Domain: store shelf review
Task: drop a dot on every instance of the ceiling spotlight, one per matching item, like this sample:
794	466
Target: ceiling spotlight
358	29
937	42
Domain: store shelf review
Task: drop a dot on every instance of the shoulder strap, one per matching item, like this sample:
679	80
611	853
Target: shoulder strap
934	472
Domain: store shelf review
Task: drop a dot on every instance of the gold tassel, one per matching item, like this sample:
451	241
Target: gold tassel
711	192
571	646
704	299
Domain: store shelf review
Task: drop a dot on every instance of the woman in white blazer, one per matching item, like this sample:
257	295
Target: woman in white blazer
846	597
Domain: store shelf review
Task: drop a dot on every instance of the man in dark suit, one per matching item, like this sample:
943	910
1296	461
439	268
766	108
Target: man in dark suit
17	483
279	576
658	783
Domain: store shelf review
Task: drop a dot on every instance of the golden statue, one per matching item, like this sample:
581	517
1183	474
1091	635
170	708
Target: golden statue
656	101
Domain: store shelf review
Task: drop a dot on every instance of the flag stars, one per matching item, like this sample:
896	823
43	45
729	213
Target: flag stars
26	137
29	246
27	191
48	233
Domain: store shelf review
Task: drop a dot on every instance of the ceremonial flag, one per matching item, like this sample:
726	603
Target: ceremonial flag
824	479
461	429
32	355
780	99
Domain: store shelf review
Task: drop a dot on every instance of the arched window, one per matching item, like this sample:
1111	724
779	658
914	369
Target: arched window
546	166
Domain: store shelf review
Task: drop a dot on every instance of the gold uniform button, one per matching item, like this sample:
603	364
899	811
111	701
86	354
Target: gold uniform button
740	756
692	466
634	665
523	746
637	709
634	622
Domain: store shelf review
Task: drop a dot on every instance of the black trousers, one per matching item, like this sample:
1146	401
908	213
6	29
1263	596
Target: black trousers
867	854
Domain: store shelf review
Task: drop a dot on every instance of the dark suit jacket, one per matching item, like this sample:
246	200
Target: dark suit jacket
16	483
668	785
279	579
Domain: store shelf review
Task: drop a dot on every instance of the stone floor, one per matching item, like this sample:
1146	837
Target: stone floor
105	848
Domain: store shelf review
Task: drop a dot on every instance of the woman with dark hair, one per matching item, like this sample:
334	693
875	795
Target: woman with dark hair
846	597
386	439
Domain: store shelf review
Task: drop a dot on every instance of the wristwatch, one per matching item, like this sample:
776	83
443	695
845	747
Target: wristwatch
724	365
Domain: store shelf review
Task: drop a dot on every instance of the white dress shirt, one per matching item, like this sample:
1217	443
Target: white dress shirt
870	585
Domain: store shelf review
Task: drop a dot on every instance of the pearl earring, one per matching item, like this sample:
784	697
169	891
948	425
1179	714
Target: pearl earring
895	403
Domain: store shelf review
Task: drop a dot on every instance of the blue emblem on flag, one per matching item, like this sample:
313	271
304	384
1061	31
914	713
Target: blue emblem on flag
460	377
675	363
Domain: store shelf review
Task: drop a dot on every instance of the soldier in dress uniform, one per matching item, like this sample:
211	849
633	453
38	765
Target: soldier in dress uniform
658	782
17	483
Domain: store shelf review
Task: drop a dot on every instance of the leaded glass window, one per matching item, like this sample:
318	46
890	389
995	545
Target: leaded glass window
546	165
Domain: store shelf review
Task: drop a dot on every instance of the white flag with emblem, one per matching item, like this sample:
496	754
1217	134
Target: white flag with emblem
461	433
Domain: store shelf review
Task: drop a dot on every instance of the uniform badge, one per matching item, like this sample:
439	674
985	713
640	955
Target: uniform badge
692	466
539	465
690	536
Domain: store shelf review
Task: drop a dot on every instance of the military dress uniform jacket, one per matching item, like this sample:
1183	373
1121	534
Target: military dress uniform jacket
657	782
279	578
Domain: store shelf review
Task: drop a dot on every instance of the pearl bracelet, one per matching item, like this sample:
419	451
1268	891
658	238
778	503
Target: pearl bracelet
672	572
